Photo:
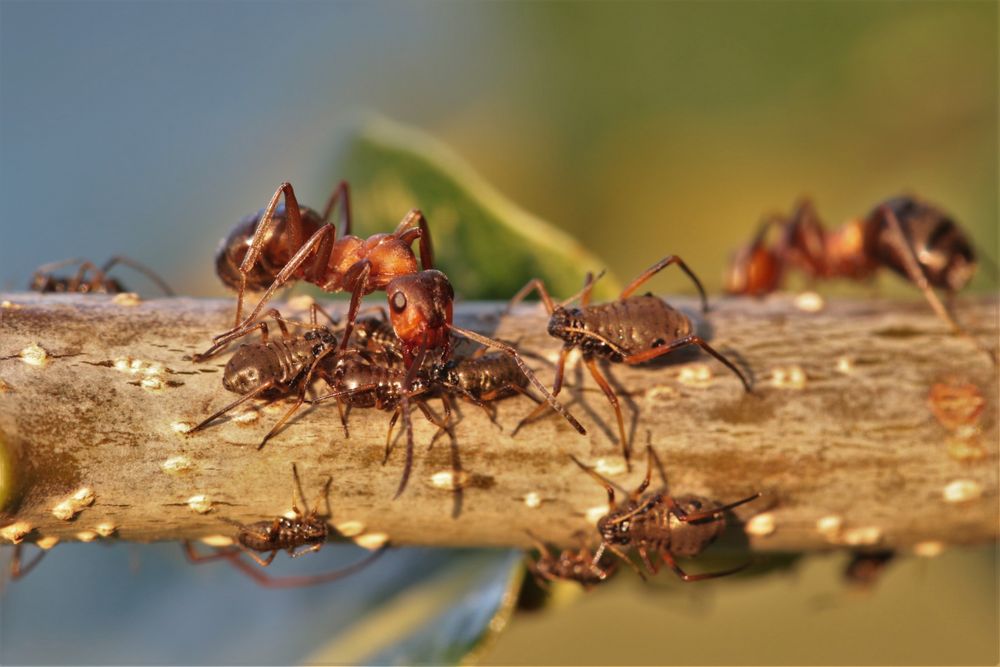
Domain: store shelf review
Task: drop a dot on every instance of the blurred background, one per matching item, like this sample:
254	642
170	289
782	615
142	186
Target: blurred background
640	129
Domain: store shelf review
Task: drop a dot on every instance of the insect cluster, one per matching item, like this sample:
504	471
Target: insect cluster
411	352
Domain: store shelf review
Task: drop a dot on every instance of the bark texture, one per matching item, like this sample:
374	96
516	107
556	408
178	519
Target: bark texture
839	435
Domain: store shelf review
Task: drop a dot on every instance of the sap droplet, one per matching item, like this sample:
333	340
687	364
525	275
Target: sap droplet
761	525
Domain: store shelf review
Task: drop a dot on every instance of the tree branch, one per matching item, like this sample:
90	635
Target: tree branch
839	426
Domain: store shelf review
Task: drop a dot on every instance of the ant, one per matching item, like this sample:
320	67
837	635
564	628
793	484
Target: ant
273	246
569	565
633	330
98	282
658	522
911	237
275	368
306	529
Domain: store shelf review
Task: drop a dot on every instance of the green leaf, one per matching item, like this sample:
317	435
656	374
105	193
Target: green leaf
487	245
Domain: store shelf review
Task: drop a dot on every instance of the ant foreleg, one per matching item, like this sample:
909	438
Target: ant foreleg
659	266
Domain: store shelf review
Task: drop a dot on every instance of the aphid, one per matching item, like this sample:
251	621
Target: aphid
482	379
633	330
569	565
275	368
661	524
286	243
98	282
909	236
304	533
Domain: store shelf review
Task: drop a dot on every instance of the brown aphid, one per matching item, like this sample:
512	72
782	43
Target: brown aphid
89	279
576	565
658	523
631	330
273	369
305	532
907	235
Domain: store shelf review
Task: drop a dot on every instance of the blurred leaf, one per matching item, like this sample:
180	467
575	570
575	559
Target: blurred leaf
488	246
445	619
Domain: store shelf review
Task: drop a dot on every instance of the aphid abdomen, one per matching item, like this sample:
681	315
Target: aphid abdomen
631	325
493	372
691	538
260	536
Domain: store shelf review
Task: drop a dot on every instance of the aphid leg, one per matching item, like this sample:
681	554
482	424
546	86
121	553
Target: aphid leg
195	557
443	425
242	399
533	284
141	268
659	266
292	553
315	309
341	193
406	233
308	580
652	353
613	400
707	513
96	280
503	347
297	487
917	276
651	567
668	558
600	480
621	554
645	481
263	562
299	399
19	570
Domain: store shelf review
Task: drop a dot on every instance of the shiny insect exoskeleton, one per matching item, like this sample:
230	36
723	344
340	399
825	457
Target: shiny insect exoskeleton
569	565
658	523
631	330
304	532
285	243
272	369
89	279
907	235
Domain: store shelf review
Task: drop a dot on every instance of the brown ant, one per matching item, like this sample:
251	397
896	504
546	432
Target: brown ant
275	368
660	523
306	529
569	565
911	237
98	282
272	248
633	330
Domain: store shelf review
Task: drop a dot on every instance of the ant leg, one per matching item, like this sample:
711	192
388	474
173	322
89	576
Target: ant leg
917	276
344	413
340	193
652	353
659	266
411	373
668	558
613	399
406	233
318	239
359	278
45	271
600	480
503	347
262	232
17	570
243	399
388	435
94	283
533	284
141	268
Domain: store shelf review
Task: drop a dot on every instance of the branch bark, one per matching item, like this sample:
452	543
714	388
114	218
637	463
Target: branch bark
838	426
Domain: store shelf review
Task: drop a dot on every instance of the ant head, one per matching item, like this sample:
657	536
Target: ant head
420	308
753	271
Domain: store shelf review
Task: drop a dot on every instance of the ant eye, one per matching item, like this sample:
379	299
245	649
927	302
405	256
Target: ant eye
398	301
